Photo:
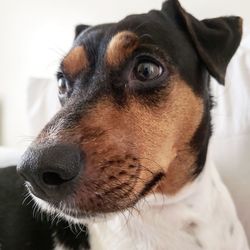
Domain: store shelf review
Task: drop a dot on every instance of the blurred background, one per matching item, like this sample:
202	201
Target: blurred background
36	34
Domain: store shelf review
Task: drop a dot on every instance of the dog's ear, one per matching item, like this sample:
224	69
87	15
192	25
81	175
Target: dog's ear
79	28
215	40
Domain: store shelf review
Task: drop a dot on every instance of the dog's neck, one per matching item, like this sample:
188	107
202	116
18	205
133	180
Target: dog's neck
200	216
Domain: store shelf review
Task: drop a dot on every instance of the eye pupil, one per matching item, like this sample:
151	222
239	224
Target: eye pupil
147	71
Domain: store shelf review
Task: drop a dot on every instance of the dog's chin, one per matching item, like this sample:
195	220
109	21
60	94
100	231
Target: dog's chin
73	215
69	214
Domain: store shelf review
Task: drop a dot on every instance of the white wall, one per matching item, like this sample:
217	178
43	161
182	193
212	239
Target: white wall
35	34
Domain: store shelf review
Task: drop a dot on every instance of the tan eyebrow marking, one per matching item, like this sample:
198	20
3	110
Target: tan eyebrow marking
75	61
121	47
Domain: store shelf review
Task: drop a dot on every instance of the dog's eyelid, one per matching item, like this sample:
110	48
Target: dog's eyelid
155	55
141	58
151	58
59	75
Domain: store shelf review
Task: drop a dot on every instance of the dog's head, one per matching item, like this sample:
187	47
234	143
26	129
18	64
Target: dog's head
135	115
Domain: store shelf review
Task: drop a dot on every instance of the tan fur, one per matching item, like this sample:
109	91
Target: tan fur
121	47
75	61
126	148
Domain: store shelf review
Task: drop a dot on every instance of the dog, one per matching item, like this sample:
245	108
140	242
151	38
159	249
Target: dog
127	157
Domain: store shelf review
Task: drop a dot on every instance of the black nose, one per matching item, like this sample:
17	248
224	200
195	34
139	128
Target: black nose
51	171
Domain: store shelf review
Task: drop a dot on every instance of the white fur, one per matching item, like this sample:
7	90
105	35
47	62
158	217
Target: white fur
201	216
61	247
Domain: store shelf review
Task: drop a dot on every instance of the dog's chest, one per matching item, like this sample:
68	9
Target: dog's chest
206	220
163	233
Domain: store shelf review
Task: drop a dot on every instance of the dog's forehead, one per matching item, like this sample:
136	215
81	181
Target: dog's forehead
113	42
151	28
138	24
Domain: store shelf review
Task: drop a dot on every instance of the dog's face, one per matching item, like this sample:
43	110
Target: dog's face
135	115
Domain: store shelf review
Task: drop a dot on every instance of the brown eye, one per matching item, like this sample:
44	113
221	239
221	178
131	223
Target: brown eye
62	86
145	71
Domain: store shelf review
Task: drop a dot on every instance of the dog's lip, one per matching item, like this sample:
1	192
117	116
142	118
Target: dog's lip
83	217
69	211
35	190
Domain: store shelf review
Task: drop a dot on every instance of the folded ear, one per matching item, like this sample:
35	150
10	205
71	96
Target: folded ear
215	40
79	28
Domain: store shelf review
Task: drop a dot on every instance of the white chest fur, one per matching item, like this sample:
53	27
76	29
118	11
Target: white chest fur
201	216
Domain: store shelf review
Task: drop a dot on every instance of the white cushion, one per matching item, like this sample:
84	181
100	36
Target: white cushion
9	156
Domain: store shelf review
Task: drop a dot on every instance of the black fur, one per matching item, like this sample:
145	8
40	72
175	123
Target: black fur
21	230
79	29
151	184
215	40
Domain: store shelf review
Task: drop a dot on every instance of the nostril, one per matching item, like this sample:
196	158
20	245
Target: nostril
54	179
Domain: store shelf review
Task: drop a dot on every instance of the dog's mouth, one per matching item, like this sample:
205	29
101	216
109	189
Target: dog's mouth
79	210
63	211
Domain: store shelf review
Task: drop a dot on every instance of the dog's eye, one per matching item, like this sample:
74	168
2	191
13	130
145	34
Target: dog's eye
62	86
147	70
